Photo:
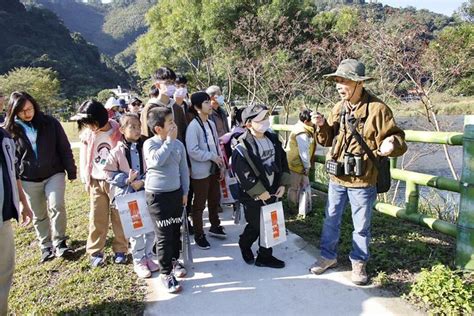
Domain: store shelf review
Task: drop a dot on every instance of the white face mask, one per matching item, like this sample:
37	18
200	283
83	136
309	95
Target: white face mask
170	90
262	126
181	93
220	99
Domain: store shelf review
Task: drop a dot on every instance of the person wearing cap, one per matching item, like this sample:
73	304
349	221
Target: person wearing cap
218	115
165	82
374	121
135	106
112	106
207	169
260	164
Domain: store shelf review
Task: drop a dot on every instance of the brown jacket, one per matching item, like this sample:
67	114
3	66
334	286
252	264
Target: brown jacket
179	118
376	123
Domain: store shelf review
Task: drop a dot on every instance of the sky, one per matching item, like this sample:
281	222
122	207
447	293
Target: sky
439	6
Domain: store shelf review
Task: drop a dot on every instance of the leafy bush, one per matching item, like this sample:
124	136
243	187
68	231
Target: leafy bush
442	291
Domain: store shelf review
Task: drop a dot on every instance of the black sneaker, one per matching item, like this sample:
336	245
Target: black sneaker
270	262
247	255
46	254
170	283
217	232
202	242
62	250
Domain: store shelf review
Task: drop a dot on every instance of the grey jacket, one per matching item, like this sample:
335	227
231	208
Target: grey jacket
198	152
8	147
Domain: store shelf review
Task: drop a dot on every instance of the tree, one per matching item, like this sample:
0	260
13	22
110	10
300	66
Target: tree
41	83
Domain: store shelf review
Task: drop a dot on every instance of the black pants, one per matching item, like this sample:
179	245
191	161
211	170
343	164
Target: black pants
166	210
252	231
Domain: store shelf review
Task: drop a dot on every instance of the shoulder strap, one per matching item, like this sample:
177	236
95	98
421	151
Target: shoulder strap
341	124
242	149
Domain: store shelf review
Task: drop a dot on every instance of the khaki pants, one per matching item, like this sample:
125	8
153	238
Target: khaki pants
100	215
7	264
297	182
46	199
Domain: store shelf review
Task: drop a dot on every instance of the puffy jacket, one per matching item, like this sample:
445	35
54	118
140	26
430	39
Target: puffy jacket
293	153
252	179
54	152
375	123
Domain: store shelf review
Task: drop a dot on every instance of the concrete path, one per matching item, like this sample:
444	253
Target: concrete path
221	283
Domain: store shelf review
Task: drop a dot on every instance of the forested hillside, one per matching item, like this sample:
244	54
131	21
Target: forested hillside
38	38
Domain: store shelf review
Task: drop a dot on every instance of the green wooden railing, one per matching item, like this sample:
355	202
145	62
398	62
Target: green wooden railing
463	231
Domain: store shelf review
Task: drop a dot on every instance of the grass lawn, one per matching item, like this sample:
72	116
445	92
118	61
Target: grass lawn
71	131
72	287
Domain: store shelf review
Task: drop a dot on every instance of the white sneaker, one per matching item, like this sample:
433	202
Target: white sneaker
179	270
141	269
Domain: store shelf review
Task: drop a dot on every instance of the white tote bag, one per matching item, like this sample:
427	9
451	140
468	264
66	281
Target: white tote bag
272	225
134	214
226	194
305	205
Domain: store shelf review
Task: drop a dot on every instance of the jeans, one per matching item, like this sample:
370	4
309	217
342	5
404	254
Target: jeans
362	201
142	246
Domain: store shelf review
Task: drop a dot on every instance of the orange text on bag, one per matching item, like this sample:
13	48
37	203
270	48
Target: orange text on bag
135	213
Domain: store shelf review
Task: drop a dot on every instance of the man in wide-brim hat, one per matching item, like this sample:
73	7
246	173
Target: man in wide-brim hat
353	172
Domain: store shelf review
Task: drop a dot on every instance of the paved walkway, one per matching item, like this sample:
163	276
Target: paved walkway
221	283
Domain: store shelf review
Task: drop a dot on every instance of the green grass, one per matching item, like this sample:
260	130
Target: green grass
72	287
399	249
71	131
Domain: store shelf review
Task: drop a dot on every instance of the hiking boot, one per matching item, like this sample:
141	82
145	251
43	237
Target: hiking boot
179	270
62	250
97	260
202	242
46	254
270	262
120	258
141	269
247	254
322	265
359	275
170	283
152	266
218	232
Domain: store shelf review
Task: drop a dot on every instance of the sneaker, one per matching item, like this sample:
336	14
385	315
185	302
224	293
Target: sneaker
202	242
269	262
170	283
247	255
120	258
218	232
178	269
359	275
322	265
141	269
97	260
152	266
62	249
46	254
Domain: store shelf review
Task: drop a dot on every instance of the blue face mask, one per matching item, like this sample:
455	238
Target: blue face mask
220	99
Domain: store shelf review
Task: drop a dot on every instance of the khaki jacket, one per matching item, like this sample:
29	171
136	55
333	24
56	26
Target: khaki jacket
293	152
376	123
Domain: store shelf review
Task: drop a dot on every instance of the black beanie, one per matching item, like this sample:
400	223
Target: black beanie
198	98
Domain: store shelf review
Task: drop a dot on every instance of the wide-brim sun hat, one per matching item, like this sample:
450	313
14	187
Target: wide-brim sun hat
350	69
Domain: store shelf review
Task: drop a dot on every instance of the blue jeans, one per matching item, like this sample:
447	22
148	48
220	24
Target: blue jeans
362	201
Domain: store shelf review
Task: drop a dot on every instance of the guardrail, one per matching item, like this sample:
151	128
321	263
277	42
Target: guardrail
463	230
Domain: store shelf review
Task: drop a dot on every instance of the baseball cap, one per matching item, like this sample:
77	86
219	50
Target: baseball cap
255	112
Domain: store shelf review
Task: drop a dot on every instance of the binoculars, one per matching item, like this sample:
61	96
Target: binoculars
352	166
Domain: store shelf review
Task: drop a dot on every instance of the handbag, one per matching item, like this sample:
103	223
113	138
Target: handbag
134	214
272	225
305	203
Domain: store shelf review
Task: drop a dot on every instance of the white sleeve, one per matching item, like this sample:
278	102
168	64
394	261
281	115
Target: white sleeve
303	149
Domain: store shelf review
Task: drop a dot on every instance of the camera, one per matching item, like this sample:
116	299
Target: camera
352	165
334	168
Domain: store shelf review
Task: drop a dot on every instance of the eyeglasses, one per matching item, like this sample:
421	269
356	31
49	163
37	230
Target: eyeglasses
27	111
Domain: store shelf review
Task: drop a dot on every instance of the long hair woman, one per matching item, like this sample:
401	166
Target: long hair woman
44	156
